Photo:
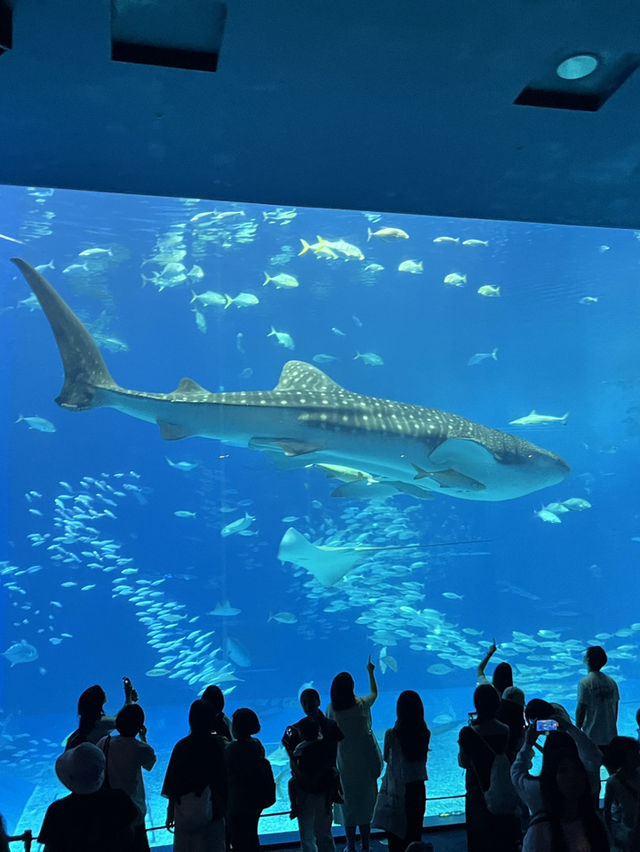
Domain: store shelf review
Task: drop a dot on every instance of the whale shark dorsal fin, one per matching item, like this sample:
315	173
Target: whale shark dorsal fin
300	376
187	386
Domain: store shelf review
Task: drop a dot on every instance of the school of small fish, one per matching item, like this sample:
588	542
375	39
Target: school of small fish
406	604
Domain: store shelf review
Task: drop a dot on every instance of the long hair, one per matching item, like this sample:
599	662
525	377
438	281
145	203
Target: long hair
502	677
410	727
342	692
214	697
486	701
90	708
554	802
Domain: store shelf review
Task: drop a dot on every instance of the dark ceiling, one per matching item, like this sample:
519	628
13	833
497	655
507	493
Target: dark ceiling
401	105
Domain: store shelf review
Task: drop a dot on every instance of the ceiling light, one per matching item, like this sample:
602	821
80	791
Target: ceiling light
577	67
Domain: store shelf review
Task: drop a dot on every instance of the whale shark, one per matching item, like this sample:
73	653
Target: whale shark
309	419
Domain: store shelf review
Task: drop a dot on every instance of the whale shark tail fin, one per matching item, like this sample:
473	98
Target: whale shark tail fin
84	368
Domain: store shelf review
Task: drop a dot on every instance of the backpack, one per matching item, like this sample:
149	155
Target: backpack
263	784
313	766
500	796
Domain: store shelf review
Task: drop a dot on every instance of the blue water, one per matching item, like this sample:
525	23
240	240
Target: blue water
559	586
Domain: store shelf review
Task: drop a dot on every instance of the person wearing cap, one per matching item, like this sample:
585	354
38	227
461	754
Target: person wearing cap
90	818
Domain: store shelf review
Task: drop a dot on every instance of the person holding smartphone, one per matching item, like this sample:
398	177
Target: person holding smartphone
94	724
568	818
541	724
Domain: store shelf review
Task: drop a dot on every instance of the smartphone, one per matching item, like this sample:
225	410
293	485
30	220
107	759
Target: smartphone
546	725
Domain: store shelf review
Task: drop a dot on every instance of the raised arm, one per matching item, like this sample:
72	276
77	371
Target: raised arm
130	695
373	686
581	711
483	663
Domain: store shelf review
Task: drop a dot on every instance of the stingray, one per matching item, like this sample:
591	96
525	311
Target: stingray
329	564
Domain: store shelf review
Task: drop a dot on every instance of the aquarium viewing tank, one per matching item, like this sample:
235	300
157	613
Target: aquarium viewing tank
345	513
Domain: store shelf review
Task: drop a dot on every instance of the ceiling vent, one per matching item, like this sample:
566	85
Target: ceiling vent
6	27
172	33
582	80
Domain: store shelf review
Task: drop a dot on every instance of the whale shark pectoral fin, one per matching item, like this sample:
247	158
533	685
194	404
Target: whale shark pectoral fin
173	431
454	457
458	453
288	446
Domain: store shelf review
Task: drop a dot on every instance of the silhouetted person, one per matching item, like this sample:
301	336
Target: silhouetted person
598	698
90	818
312	746
125	757
214	696
4	837
93	723
250	781
359	758
511	712
569	820
401	801
622	794
196	785
502	675
480	742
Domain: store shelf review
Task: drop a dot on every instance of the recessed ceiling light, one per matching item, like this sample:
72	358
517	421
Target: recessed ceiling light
577	67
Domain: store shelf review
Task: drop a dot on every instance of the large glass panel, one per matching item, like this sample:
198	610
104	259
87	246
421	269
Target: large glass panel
130	550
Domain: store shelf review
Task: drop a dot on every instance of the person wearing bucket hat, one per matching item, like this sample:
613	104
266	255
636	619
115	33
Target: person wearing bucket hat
90	818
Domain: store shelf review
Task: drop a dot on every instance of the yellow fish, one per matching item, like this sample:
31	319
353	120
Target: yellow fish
412	266
455	280
388	234
488	290
319	248
282	280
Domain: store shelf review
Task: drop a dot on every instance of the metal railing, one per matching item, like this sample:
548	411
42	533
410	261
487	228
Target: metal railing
27	838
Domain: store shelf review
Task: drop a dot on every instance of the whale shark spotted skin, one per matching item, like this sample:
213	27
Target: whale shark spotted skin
309	419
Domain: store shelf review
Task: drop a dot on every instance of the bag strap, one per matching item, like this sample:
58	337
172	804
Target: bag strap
478	734
635	793
105	749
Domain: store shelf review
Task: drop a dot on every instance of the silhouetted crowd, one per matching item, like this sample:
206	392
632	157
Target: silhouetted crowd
218	780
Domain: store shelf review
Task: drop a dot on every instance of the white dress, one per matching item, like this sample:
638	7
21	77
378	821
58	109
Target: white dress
359	762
